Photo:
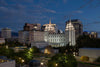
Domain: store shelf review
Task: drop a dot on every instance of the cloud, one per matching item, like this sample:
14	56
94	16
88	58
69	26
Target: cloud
77	11
37	9
49	10
96	22
64	1
3	9
3	3
22	1
18	6
19	12
86	4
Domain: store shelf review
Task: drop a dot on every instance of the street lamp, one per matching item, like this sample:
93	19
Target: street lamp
42	64
56	64
23	61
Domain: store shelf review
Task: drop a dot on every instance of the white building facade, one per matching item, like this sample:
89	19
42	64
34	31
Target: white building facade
56	39
70	32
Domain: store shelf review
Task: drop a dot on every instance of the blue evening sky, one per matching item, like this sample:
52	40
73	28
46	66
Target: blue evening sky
14	13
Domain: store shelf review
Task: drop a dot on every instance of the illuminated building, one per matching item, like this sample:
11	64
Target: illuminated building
70	34
6	33
55	39
50	27
49	35
78	27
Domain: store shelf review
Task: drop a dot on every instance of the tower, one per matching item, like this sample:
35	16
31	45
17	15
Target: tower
78	27
50	27
70	34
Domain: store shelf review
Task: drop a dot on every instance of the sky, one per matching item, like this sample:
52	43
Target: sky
15	13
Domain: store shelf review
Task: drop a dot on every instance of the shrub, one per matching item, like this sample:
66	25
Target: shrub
84	58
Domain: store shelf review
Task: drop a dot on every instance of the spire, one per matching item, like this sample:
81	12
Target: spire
50	21
69	20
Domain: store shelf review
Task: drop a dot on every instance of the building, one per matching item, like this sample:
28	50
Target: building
70	33
6	33
4	62
50	27
78	27
29	37
38	36
56	39
2	40
49	35
26	37
29	27
93	35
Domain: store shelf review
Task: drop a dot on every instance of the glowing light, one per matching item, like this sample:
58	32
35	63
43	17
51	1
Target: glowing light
42	63
31	49
56	64
19	57
23	61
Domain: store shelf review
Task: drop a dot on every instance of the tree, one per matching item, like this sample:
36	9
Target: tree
6	52
86	41
35	49
61	60
67	49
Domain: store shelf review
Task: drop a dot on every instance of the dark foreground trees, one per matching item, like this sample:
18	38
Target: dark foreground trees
61	60
86	41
